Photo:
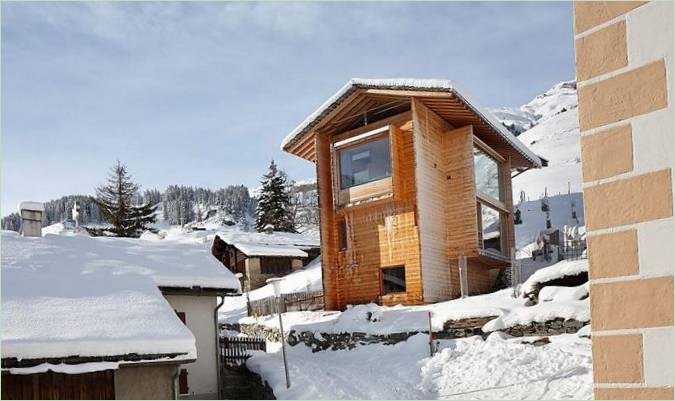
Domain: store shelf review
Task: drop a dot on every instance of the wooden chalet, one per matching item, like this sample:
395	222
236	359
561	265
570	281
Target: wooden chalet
411	176
260	256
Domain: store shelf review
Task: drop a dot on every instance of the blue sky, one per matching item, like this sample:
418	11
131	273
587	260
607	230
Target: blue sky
203	93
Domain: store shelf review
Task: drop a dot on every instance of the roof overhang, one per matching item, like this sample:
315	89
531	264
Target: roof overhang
361	100
196	291
177	357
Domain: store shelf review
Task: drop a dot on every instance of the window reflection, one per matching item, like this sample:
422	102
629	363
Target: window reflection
486	170
365	163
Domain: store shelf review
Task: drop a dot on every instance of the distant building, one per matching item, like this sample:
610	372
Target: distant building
411	176
259	256
101	318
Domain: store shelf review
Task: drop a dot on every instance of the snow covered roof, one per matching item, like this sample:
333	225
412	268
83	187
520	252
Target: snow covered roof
277	243
429	85
176	264
251	249
73	297
34	206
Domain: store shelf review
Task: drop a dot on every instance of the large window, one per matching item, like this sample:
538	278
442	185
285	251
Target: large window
393	280
489	191
490	228
364	163
486	169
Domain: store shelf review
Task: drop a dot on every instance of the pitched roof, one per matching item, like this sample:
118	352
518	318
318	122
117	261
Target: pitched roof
67	297
408	84
273	244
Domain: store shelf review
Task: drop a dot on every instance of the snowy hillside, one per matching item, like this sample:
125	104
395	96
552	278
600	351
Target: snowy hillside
550	128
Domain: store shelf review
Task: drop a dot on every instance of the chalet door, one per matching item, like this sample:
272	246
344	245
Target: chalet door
59	386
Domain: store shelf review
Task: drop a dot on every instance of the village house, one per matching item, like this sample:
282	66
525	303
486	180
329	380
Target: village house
413	178
260	256
110	318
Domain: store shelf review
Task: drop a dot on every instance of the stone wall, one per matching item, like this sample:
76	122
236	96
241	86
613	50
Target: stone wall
451	329
549	328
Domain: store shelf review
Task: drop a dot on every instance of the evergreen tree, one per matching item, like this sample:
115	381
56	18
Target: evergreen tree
274	202
116	203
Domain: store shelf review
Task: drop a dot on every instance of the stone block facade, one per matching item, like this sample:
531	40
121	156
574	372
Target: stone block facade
624	58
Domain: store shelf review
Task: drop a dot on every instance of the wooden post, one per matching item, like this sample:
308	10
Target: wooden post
515	273
463	277
431	337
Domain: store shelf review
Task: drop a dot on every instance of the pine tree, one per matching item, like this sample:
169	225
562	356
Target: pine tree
115	202
274	202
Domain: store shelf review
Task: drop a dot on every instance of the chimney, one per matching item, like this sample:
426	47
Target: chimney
31	218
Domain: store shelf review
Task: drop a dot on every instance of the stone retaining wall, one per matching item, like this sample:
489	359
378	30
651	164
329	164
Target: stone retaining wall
451	329
549	328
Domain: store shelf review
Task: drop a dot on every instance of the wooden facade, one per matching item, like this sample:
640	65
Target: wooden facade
59	386
423	216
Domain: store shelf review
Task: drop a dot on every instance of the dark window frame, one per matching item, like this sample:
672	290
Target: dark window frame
383	290
502	221
386	136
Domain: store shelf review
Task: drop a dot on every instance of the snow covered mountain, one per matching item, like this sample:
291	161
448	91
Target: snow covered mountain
550	127
560	98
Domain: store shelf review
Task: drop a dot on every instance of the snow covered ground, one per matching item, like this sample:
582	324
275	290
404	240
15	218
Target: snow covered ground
496	368
499	367
306	280
376	319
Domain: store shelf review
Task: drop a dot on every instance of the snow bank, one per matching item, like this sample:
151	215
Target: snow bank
501	368
306	280
561	302
542	312
556	293
69	296
376	319
556	271
462	369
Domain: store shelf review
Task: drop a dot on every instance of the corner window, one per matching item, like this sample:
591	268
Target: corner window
486	170
393	280
364	163
490	228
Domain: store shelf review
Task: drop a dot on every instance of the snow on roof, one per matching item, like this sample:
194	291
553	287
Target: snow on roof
251	249
66	368
277	243
73	296
28	205
556	271
437	85
180	264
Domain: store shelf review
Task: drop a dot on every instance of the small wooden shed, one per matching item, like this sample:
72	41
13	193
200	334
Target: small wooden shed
260	256
411	175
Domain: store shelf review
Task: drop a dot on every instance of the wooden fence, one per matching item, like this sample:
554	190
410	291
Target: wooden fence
234	351
298	301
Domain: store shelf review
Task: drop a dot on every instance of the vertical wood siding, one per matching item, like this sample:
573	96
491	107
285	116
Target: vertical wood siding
430	175
59	386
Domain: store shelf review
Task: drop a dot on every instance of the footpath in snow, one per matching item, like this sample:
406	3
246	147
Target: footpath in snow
496	368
